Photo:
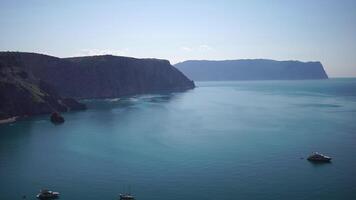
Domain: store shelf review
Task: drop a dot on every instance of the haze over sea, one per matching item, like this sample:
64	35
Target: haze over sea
221	140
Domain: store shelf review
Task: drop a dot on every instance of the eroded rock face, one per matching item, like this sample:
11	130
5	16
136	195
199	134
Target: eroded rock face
21	94
36	84
251	69
104	76
73	104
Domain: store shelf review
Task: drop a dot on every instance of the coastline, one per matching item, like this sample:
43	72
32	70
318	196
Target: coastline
8	120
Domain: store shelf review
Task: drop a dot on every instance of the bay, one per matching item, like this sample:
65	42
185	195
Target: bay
221	140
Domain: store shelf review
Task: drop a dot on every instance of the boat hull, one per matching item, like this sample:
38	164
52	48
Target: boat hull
319	159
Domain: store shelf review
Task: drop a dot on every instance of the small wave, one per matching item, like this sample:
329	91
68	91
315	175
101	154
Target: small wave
113	100
320	105
134	99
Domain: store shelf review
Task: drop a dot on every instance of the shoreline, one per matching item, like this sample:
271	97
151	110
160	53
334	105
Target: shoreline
8	120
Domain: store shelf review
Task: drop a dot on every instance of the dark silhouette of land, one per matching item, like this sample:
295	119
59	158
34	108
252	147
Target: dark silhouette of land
251	69
33	83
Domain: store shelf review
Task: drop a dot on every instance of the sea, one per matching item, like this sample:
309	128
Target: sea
222	140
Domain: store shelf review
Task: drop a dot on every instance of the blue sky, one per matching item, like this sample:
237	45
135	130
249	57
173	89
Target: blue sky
306	30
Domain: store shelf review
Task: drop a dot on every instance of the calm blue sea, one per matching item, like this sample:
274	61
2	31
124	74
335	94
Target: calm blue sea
222	140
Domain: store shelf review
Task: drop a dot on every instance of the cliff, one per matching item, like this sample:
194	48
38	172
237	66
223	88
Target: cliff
104	76
251	69
33	83
21	94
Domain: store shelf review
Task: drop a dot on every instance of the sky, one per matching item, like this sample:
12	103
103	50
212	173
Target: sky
305	30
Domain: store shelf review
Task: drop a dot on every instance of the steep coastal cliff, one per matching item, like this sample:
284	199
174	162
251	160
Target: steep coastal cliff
251	69
104	76
22	94
33	83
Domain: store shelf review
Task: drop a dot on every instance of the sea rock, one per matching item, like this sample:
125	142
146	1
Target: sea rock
56	118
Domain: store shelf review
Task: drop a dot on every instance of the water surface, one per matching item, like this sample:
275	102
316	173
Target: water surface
222	140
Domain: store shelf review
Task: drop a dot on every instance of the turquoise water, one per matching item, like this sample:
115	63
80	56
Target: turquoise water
222	140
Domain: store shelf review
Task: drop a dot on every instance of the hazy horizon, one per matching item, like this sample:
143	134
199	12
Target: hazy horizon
265	110
182	30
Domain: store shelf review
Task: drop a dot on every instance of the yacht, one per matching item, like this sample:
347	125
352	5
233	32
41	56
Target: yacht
47	194
318	157
126	196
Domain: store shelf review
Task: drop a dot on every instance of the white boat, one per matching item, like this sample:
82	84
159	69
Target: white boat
47	194
127	196
318	157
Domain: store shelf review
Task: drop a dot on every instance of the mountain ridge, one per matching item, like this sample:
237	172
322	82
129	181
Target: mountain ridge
251	69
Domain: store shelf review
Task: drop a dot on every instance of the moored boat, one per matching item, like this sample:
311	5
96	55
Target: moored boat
318	157
47	194
127	196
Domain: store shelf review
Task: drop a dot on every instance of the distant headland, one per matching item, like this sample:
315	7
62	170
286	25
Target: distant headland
251	69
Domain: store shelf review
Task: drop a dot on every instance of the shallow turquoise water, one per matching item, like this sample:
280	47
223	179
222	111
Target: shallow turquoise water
222	140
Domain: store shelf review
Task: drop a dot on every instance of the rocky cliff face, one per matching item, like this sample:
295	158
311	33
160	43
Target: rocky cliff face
34	84
22	94
104	76
254	69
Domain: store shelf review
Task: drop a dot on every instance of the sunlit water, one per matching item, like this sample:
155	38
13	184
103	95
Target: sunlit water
222	140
